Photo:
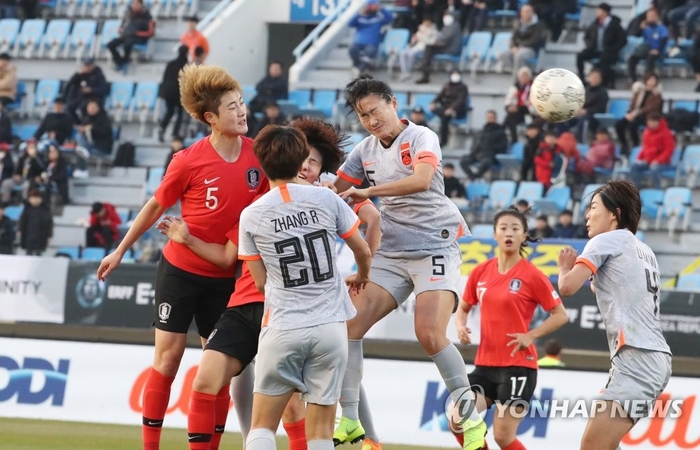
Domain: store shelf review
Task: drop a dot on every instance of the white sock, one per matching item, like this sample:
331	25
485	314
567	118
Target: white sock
319	445
262	439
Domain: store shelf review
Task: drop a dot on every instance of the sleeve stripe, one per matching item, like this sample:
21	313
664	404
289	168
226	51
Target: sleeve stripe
587	263
351	231
347	177
249	257
359	206
426	158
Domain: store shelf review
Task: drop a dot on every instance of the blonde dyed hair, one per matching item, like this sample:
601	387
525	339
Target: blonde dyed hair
202	87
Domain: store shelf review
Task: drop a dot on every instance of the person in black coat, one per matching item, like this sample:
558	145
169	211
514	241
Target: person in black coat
170	92
35	226
272	116
450	103
56	125
7	232
534	136
271	88
552	13
176	144
27	172
6	136
607	52
491	141
87	83
56	175
96	130
7	164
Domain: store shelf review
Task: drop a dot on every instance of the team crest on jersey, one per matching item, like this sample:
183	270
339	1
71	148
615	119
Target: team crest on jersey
515	285
252	177
406	159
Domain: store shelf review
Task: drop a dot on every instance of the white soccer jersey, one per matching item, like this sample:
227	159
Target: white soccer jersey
626	279
293	228
420	221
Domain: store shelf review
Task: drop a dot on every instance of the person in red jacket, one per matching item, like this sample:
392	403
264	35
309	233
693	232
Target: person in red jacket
601	154
544	159
104	221
658	145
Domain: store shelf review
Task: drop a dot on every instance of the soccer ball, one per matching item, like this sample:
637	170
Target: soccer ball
557	95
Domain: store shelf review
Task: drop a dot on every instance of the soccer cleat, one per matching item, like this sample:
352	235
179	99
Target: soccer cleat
474	434
348	431
369	444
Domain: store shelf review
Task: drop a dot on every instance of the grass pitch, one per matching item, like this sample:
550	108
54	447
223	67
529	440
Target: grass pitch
24	434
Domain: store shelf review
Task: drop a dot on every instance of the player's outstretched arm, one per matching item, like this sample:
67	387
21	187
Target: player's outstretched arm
369	215
363	258
461	322
571	275
145	219
222	256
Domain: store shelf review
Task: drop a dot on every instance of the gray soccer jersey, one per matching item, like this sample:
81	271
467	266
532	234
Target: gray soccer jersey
420	221
293	228
626	279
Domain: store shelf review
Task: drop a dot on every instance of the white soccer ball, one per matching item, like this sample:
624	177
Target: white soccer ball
557	95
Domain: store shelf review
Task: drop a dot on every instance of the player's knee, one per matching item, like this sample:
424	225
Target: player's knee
431	339
205	384
503	437
167	361
294	411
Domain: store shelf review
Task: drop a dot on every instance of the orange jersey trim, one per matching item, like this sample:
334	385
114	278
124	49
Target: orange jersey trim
587	263
249	257
266	318
351	231
426	158
460	232
284	192
620	339
359	206
347	177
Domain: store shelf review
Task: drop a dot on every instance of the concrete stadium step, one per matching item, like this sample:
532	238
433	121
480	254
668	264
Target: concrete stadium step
126	193
68	235
151	156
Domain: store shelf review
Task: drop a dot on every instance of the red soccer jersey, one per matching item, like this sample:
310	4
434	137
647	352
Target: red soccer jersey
246	291
212	193
508	302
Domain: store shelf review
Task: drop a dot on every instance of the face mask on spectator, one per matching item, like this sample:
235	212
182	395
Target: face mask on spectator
448	20
455	78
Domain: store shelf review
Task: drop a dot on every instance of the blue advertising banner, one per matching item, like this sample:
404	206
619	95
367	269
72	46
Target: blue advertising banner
310	11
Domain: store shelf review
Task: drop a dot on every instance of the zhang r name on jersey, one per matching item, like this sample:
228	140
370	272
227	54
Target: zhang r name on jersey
294	220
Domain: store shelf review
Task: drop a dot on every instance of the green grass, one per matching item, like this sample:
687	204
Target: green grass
24	434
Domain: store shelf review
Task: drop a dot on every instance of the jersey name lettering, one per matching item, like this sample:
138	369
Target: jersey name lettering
294	221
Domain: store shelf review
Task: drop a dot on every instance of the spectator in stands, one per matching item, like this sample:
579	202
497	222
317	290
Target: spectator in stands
35	225
136	29
6	135
450	103
479	14
368	36
27	173
449	41
95	131
518	103
568	145
552	13
552	354
689	13
646	98
655	36
525	209
565	229
199	56
404	15
8	80
87	83
596	103
7	233
193	38
658	145
55	178
529	35
57	125
429	8
542	229
417	116
453	187
169	91
601	153
427	34
533	139
490	142
603	39
104	222
176	144
695	59
544	159
271	88
272	116
8	9
7	164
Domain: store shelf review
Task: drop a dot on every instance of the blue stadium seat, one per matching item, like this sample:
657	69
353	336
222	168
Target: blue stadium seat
587	195
82	38
477	49
501	195
456	60
30	37
70	252
353	140
401	99
482	231
688	282
689	165
676	205
120	97
324	100
110	30
27	131
249	92
19	97
616	110
13	212
46	92
640	235
300	97
511	161
423	100
155	175
618	171
55	37
144	101
688	105
672	169
500	44
555	201
477	193
92	254
651	200
9	30
530	191
395	40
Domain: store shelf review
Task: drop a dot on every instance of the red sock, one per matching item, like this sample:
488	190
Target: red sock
200	420
297	434
156	395
460	438
515	445
223	404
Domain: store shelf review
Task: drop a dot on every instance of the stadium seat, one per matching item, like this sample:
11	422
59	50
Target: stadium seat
110	30
300	97
69	252
46	92
477	49
9	30
92	254
555	201
353	140
477	193
671	171
587	195
55	37
16	106
482	231
13	212
30	37
619	171
82	39
423	100
640	235
144	102
510	162
501	195
688	282
401	100
501	43
27	131
324	100
395	40
689	166
249	92
676	205
456	61
688	105
120	98
651	200
530	191
155	175
616	110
